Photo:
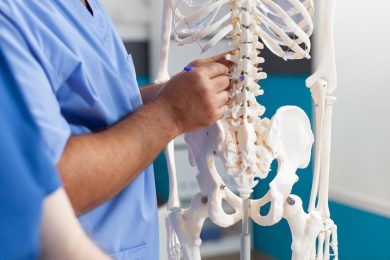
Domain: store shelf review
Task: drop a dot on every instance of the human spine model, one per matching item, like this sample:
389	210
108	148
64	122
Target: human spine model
247	143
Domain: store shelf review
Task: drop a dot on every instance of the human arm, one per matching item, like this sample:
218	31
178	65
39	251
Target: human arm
61	235
96	167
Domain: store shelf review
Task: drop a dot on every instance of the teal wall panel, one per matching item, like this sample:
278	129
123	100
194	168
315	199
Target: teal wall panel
143	81
161	177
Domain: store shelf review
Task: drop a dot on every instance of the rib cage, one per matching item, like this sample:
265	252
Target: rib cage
284	26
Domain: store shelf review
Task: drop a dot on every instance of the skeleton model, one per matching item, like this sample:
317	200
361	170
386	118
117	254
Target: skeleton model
246	142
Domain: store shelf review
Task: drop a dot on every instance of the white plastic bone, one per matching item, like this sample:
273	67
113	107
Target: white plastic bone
285	39
166	32
173	203
203	145
327	63
290	26
190	23
318	93
327	244
334	242
305	24
290	139
323	197
192	38
186	21
173	244
304	228
324	77
188	224
323	204
218	37
322	83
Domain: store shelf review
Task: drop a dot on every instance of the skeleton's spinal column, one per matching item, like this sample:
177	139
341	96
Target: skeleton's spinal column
244	153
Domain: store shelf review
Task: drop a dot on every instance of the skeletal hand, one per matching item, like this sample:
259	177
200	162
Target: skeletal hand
197	98
327	242
173	241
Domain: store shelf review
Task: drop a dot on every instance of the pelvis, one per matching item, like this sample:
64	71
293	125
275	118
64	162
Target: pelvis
290	139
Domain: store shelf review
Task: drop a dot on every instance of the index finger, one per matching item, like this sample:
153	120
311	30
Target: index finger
220	58
213	70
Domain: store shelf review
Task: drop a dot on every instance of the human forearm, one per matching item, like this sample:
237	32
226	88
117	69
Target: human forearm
61	235
96	167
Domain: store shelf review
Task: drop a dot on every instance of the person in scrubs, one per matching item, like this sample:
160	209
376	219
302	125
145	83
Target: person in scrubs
36	218
100	129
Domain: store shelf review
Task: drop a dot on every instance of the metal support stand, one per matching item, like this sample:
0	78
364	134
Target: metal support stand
245	233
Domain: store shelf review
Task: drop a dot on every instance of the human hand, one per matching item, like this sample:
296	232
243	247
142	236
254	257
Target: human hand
197	98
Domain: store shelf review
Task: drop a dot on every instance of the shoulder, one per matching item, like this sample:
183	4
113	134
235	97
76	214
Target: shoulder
21	11
32	19
13	7
21	5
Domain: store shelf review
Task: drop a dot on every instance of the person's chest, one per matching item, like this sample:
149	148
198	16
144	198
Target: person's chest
95	82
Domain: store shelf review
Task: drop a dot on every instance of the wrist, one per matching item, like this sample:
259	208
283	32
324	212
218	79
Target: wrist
165	113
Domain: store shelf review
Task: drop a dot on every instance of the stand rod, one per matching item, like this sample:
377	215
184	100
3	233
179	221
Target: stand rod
245	233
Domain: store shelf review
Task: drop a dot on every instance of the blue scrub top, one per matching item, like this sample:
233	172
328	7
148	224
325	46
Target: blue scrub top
78	79
26	175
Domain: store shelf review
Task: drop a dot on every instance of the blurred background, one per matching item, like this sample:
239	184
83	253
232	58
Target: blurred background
360	175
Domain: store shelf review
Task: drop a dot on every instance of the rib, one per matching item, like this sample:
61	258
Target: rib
206	31
200	13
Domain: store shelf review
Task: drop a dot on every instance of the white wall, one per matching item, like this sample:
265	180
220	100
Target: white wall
131	17
360	173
